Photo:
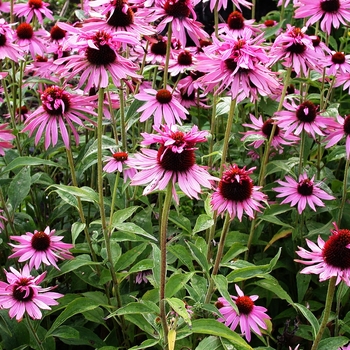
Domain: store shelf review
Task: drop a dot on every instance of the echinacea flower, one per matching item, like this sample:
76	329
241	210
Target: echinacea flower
236	193
33	8
304	192
40	247
7	48
223	4
59	107
251	317
174	162
303	117
162	105
264	129
330	258
337	62
98	57
338	131
118	162
330	12
23	294
5	137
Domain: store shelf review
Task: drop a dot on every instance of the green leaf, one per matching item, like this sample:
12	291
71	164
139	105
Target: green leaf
303	281
310	317
149	343
244	273
199	256
285	166
274	220
85	193
86	337
212	343
141	307
180	221
222	285
143	265
130	256
176	282
75	307
130	227
213	327
203	222
180	308
28	161
19	187
332	343
156	264
182	254
235	250
123	214
273	286
76	229
65	332
270	31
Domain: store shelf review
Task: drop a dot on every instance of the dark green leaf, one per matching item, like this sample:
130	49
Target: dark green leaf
19	187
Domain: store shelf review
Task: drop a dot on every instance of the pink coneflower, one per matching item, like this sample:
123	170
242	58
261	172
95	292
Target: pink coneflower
173	162
250	316
238	26
58	35
7	48
40	247
177	13
2	221
236	193
337	62
156	50
264	129
141	277
33	8
343	80
5	137
338	131
332	12
98	56
182	61
162	105
303	117
194	99
118	162
328	259
304	192
295	49
28	41
5	6
23	294
223	4
58	108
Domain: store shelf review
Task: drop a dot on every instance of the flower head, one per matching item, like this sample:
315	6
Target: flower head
332	12
236	193
33	8
304	192
250	316
7	48
5	137
40	247
59	107
163	105
174	162
118	162
23	294
303	117
328	259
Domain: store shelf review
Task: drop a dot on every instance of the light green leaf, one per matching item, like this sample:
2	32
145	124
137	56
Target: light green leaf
149	343
274	220
65	332
203	222
235	250
156	264
244	273
198	256
176	282
76	229
19	187
140	307
130	227
130	256
212	343
222	285
332	343
77	306
180	221
180	308
310	317
28	161
123	214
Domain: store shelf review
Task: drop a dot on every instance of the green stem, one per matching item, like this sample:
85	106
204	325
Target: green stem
113	200
282	11
163	263
345	181
33	333
216	19
326	312
227	135
212	129
122	117
253	8
167	56
218	258
301	152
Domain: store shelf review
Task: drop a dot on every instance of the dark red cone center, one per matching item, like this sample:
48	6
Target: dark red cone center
306	112
245	305
235	20
40	241
335	252
179	162
305	187
177	9
330	6
267	128
164	96
22	294
25	31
